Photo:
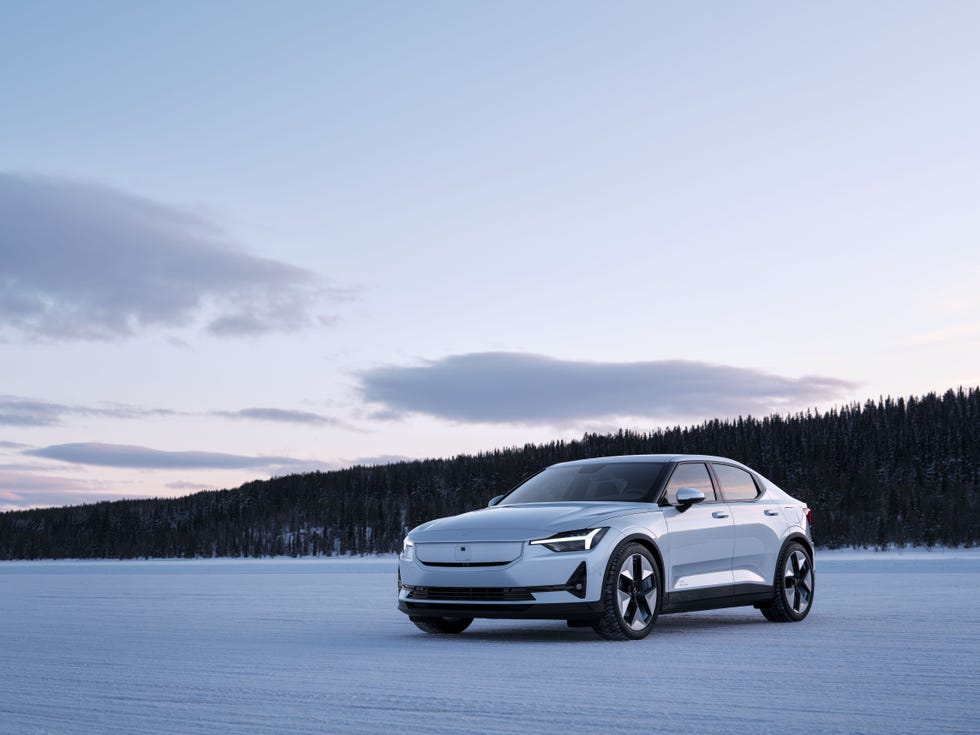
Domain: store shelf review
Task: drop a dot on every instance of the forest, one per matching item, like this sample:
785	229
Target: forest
884	473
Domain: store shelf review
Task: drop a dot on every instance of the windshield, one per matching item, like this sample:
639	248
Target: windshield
614	482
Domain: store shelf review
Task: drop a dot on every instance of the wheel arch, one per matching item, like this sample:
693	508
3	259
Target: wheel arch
799	538
651	546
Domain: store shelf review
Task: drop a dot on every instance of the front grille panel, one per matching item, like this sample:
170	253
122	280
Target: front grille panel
468	552
475	594
465	563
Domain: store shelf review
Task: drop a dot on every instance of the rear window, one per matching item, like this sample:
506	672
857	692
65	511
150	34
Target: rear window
612	482
736	484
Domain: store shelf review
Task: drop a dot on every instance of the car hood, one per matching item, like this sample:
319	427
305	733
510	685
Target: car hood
522	522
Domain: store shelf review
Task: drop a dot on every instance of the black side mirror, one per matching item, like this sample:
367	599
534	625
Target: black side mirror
688	496
497	498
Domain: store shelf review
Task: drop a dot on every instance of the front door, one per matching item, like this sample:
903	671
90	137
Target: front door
700	540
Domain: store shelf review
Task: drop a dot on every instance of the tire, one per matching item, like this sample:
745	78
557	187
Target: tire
442	626
630	607
793	586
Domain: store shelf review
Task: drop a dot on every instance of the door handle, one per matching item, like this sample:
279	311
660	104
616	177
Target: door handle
771	512
719	514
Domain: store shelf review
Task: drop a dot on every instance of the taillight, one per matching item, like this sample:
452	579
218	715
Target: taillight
809	516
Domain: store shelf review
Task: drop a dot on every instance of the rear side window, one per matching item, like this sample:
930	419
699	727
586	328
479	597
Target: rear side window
736	484
690	475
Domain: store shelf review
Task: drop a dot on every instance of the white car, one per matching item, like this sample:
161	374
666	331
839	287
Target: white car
612	543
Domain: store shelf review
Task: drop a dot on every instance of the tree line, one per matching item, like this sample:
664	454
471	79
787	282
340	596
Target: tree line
892	472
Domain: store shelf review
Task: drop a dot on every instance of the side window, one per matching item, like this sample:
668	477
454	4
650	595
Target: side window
736	484
690	475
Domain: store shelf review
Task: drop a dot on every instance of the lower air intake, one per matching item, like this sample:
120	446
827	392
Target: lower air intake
470	594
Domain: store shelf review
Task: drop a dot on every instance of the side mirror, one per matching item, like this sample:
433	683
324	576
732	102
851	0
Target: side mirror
496	499
688	496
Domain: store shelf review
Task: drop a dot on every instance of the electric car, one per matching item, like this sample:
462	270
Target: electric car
611	543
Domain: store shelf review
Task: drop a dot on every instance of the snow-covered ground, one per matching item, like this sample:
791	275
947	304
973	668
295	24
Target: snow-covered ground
317	646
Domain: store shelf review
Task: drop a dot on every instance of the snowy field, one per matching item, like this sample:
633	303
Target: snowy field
317	646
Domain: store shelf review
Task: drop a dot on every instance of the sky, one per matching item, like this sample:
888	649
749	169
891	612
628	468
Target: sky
245	239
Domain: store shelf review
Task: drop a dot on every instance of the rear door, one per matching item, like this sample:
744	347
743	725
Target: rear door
699	540
759	527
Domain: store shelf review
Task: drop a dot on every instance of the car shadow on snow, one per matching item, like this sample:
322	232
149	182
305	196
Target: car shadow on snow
558	632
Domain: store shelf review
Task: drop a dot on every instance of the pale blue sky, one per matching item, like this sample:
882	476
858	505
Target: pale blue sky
241	239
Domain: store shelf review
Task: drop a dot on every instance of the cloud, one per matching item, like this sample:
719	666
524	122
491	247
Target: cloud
506	387
34	467
15	411
12	445
122	455
380	459
19	411
85	261
282	415
22	490
192	486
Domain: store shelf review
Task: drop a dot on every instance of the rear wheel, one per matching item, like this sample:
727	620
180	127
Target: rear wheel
442	626
793	586
630	595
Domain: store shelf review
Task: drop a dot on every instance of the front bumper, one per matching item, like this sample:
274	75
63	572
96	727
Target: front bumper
516	611
539	584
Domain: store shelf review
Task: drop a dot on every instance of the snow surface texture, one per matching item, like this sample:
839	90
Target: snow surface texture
317	646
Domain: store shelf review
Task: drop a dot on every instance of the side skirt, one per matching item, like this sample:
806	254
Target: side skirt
716	598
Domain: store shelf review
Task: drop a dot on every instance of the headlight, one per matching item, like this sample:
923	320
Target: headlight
408	550
582	540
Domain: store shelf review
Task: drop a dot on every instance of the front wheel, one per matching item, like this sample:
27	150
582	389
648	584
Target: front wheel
442	626
793	586
630	594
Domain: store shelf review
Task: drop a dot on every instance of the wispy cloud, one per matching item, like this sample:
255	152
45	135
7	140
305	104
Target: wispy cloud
281	415
22	490
20	411
85	261
123	455
190	486
505	387
379	459
953	333
34	467
15	411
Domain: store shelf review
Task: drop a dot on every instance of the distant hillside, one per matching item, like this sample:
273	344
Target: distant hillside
903	471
